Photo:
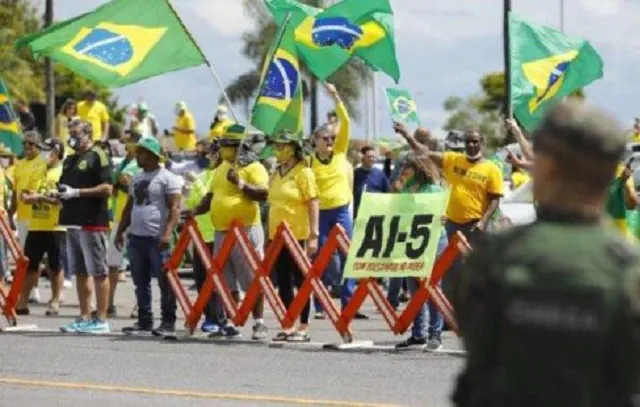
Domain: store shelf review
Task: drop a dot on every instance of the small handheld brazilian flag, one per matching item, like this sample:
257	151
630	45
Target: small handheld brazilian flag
402	106
546	66
10	134
279	104
119	43
327	39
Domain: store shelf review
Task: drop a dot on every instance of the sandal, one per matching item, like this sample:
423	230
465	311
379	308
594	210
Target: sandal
299	337
282	337
53	310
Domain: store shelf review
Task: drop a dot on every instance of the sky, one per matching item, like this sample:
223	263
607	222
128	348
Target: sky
443	49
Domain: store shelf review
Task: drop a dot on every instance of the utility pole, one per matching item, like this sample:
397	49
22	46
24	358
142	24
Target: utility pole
562	16
50	87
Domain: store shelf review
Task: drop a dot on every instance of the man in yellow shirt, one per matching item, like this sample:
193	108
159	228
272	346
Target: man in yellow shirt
26	177
45	235
96	113
184	130
237	185
475	184
220	123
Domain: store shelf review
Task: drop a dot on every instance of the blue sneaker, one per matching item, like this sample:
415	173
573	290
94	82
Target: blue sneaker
231	332
209	327
94	327
74	326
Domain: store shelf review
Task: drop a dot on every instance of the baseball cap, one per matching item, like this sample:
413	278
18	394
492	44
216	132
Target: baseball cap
52	144
150	144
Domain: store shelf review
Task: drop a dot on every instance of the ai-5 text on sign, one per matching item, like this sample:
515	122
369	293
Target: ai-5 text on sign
396	235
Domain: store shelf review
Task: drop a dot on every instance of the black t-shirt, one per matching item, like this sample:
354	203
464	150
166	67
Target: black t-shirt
27	121
86	170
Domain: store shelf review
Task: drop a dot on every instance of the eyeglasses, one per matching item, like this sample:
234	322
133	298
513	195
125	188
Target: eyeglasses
328	138
28	143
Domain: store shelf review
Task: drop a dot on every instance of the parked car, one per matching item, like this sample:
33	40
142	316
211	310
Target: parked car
518	205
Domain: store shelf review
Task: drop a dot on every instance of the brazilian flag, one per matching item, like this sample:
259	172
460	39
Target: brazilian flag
10	134
119	43
327	39
616	206
279	104
546	66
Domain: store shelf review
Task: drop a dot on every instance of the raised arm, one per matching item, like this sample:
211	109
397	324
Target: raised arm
344	134
525	146
417	148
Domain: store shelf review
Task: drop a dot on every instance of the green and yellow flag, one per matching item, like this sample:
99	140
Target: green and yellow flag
402	106
546	66
119	43
327	39
279	104
10	134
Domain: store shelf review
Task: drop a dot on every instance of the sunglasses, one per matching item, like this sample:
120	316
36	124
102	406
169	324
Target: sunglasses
28	143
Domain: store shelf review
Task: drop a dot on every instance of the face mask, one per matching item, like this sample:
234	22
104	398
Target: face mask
74	142
228	153
284	154
474	157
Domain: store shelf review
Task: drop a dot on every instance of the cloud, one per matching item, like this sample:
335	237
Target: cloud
228	17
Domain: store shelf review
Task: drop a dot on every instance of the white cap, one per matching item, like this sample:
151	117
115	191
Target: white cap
221	110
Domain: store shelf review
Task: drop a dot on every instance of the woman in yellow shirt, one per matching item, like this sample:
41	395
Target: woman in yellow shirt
68	110
333	173
293	198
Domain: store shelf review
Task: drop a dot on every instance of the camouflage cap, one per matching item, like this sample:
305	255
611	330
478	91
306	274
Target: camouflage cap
573	127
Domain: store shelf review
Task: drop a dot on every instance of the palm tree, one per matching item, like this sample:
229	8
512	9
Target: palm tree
349	80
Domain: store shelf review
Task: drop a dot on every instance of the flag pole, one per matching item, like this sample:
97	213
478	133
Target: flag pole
206	60
507	60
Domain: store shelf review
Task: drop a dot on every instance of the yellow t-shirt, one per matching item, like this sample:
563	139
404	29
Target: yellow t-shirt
333	179
218	130
44	217
27	176
63	128
96	114
229	202
470	183
289	196
519	178
185	141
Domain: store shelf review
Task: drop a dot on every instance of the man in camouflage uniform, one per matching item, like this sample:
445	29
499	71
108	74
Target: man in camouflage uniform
550	312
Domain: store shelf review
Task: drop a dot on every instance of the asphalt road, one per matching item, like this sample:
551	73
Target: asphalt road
44	367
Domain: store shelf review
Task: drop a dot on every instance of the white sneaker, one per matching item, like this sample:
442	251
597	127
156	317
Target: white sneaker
67	284
34	297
